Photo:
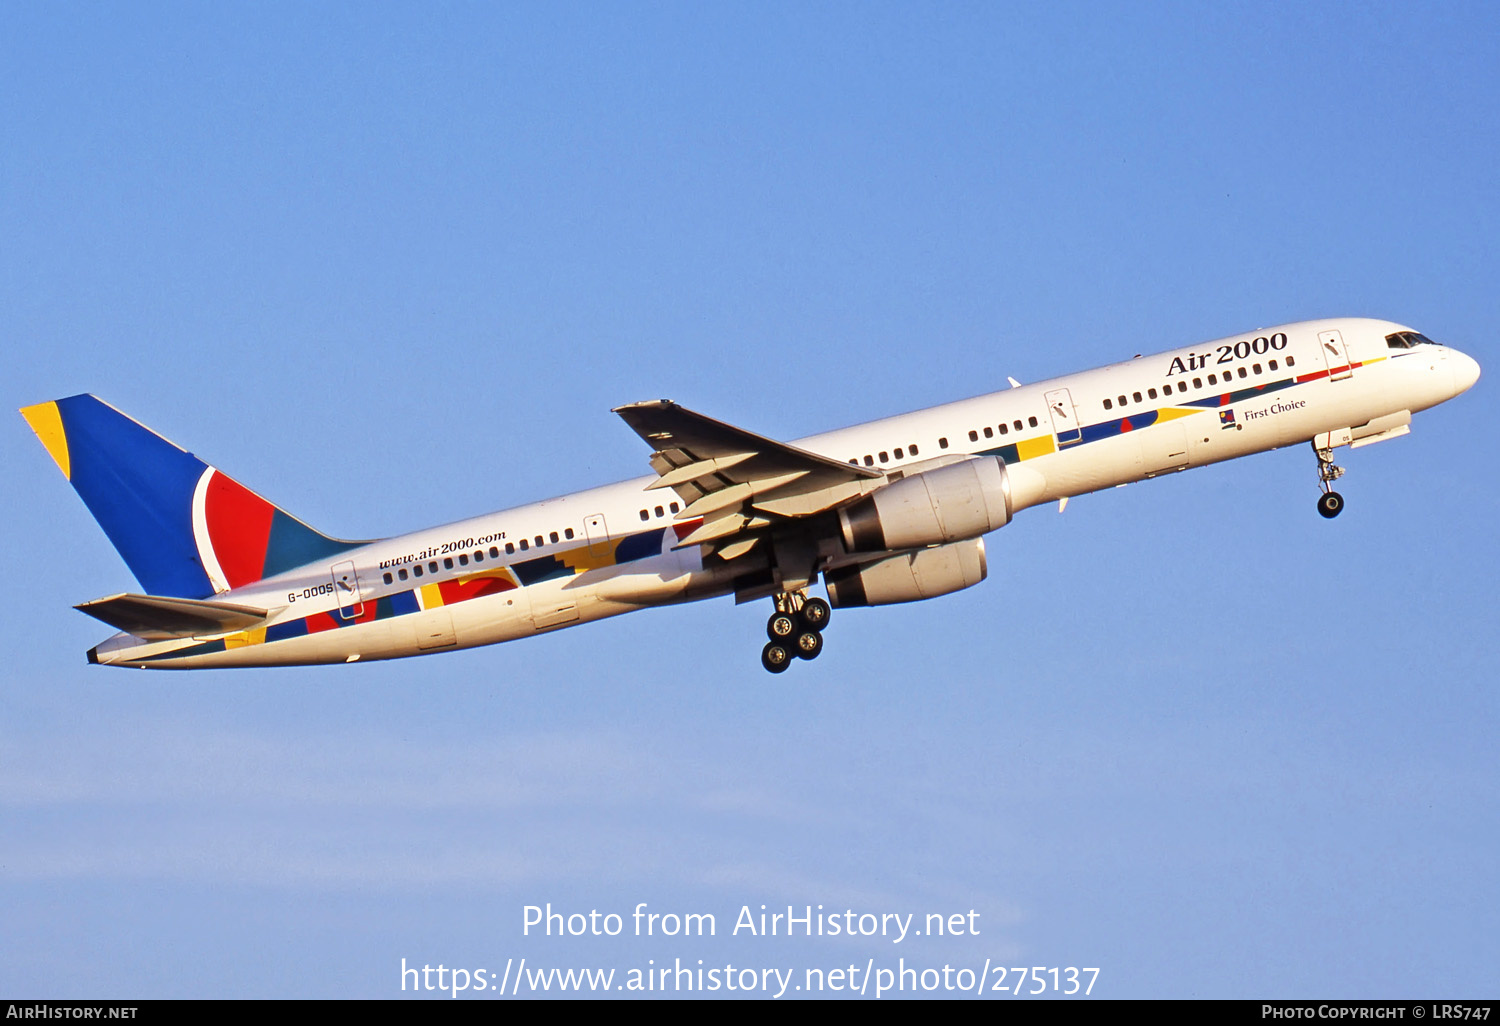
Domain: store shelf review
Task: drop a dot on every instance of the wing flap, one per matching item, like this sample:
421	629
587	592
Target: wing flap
699	468
738	480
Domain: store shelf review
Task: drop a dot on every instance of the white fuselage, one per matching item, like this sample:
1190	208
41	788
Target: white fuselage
610	550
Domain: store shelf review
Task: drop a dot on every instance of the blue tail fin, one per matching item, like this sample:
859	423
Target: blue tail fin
183	528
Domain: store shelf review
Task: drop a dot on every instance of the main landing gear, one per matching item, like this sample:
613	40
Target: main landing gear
1330	503
795	630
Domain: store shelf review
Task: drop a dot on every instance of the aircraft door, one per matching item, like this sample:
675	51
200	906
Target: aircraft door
598	535
346	587
1335	354
1064	417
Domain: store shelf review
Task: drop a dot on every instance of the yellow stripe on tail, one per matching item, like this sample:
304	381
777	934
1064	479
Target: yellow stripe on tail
47	423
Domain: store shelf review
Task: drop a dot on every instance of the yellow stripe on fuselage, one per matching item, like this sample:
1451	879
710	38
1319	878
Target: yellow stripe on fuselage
502	573
582	559
246	638
1032	447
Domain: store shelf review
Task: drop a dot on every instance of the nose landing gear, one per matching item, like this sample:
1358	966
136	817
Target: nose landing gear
1330	503
795	630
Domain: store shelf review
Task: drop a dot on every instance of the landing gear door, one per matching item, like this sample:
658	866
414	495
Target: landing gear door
346	588
1335	354
1064	417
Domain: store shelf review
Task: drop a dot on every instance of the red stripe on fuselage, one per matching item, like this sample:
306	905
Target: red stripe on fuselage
319	622
462	591
1315	375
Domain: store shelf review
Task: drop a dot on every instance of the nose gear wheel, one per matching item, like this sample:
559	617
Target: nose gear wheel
1330	503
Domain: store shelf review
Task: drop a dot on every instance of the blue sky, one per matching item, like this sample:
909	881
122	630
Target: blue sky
392	266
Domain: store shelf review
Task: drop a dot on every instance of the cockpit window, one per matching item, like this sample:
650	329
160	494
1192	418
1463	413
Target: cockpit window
1407	340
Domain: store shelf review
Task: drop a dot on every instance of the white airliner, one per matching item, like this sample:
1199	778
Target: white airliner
890	511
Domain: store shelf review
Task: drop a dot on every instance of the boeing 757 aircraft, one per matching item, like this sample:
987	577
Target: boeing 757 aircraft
891	511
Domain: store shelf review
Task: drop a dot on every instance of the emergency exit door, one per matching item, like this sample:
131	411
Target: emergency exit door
346	587
1064	417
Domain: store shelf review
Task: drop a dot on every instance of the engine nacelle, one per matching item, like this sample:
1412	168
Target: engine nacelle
949	504
922	574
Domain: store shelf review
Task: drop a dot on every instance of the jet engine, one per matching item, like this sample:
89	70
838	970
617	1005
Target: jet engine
910	576
948	504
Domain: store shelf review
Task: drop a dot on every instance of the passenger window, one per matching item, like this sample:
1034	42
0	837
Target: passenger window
1121	400
989	433
417	569
973	436
1022	427
447	564
552	537
1273	365
1291	361
898	454
1031	421
913	450
495	553
1213	379
463	559
1182	386
1243	374
524	546
885	457
510	548
539	542
1005	429
869	460
659	512
942	443
1256	368
1197	382
568	532
388	579
1108	405
672	507
401	573
645	514
479	555
1151	393
432	566
1136	396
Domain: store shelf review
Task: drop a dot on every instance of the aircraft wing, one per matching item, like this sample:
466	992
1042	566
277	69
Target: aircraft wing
738	481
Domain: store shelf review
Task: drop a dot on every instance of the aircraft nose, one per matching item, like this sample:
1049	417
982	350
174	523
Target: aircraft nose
1465	371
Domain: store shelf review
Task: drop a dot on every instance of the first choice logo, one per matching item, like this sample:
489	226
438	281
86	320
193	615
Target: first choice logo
1228	354
1279	406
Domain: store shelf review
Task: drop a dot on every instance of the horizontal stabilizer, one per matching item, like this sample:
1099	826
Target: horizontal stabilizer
157	617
